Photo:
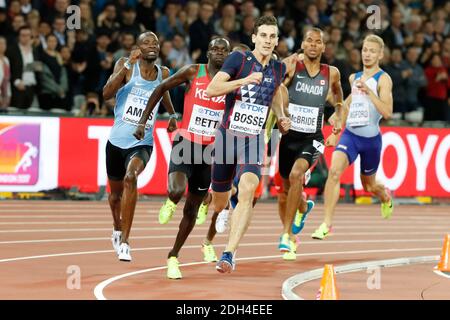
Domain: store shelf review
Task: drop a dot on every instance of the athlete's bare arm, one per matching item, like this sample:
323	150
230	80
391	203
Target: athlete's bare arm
119	75
167	102
183	75
337	99
383	103
291	63
221	85
279	101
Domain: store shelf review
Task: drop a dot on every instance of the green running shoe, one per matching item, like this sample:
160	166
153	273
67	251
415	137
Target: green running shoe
284	245
201	214
166	212
322	232
173	270
388	207
209	255
291	255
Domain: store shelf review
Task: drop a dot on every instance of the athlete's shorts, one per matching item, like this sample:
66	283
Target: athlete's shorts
369	149
193	160
234	156
117	159
292	148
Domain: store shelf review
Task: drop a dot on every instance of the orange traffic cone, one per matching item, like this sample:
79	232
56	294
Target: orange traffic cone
444	264
328	290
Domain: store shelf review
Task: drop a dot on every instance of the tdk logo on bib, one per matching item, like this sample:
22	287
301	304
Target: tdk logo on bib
303	109
253	108
211	113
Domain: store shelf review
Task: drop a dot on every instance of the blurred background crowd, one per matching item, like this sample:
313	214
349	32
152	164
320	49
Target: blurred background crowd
46	66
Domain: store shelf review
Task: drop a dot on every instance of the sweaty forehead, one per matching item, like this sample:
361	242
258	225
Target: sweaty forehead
149	36
218	42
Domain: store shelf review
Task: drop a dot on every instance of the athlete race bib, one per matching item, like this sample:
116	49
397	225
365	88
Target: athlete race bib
358	114
135	106
303	118
248	117
204	121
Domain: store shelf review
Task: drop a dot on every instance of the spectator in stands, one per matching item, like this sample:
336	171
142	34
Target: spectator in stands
244	35
59	30
415	80
312	15
17	23
53	82
394	35
129	24
14	9
179	55
192	11
87	20
227	22
282	49
44	30
107	21
99	64
288	32
169	24
202	30
437	89
247	8
146	14
354	61
5	73
58	10
5	26
24	63
399	73
127	41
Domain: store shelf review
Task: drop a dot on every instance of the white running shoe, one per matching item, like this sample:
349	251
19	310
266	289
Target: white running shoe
124	252
222	220
116	238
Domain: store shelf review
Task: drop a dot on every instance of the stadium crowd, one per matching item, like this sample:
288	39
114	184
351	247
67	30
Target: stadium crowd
47	65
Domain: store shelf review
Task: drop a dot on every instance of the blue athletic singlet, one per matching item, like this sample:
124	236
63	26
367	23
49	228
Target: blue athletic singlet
363	117
131	101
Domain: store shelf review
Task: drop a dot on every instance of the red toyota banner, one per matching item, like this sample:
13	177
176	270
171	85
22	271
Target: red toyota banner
415	161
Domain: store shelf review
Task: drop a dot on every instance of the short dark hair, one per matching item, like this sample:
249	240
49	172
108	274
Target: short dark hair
264	20
313	29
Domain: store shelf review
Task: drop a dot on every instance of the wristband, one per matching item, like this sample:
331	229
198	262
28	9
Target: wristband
127	65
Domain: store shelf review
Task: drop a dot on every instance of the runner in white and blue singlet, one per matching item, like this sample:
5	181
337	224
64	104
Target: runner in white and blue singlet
369	101
132	83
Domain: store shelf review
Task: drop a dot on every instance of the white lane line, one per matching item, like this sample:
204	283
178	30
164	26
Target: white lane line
442	274
391	227
221	236
149	220
288	286
98	290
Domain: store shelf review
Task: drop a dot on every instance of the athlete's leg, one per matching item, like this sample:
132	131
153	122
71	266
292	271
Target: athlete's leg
339	162
129	197
187	223
114	200
370	184
177	185
242	214
294	199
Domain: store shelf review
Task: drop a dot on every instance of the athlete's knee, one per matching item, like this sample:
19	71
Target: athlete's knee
176	193
130	179
219	202
296	176
114	198
368	187
334	174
